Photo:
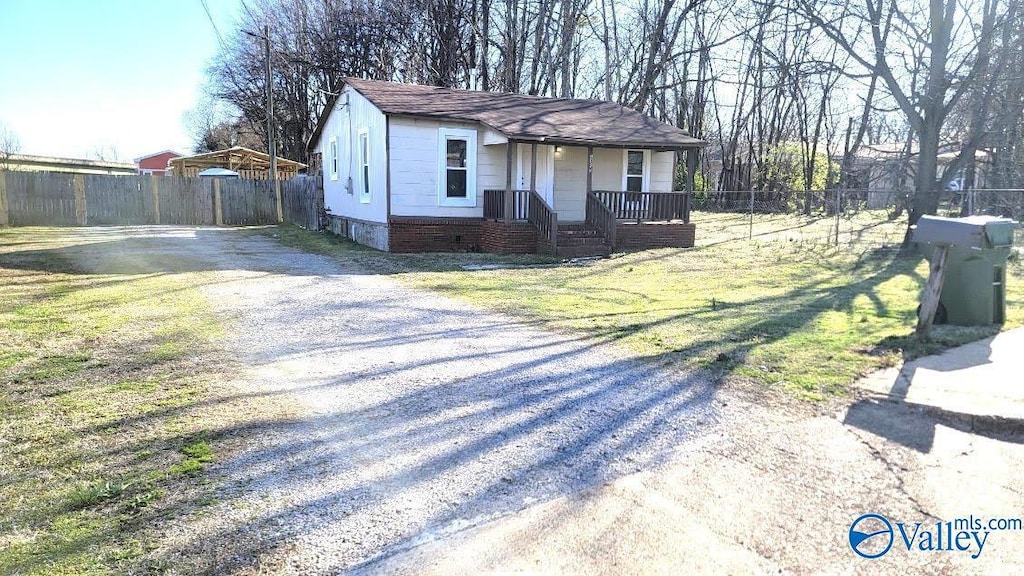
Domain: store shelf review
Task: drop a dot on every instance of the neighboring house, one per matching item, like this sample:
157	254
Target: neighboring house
249	164
155	164
885	172
411	168
31	163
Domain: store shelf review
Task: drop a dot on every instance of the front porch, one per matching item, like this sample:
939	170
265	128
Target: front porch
549	203
522	221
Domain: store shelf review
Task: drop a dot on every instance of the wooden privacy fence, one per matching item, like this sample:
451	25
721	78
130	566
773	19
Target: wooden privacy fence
302	201
61	199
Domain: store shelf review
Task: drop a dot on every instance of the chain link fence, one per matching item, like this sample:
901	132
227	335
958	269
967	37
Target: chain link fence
869	218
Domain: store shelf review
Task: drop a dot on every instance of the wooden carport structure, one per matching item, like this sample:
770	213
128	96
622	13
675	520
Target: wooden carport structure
250	164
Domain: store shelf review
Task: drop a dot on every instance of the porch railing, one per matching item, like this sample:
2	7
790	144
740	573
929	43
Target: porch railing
639	206
601	218
495	205
544	219
527	206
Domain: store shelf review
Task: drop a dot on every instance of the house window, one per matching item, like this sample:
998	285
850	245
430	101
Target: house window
456	167
636	171
364	164
334	157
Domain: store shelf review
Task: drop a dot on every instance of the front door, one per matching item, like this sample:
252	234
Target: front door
545	170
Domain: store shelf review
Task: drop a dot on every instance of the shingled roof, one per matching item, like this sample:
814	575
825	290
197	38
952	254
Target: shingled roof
521	117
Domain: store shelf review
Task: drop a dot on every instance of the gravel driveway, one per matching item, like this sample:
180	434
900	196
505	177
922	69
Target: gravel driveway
415	416
390	430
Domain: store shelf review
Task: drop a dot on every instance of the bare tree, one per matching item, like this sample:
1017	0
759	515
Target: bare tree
105	153
769	81
10	145
926	58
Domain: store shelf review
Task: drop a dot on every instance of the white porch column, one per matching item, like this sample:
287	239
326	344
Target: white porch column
590	169
510	150
533	167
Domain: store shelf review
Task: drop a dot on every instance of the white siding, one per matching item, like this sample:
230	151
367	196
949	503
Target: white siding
661	171
607	169
341	196
414	168
610	162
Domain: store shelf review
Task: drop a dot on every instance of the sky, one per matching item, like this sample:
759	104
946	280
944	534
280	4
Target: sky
79	75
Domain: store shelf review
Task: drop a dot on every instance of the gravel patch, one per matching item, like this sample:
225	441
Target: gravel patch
416	415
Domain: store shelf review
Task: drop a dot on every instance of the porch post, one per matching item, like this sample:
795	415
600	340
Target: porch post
533	167
590	169
509	156
691	171
675	167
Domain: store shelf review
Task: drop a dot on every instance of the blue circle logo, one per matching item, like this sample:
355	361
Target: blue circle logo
871	536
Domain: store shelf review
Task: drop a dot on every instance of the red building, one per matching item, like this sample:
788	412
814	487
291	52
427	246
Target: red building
155	164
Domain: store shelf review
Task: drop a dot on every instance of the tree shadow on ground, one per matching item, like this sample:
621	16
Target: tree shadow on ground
417	419
484	430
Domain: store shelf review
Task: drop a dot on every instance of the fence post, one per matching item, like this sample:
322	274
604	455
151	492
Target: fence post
5	218
81	210
839	201
750	233
218	207
154	187
280	202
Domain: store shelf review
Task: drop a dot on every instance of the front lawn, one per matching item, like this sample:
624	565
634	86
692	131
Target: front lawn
108	415
797	315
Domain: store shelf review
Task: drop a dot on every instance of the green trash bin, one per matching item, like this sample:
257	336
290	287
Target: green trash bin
974	290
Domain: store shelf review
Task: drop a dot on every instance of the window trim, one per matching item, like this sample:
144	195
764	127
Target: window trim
645	175
364	168
443	136
332	145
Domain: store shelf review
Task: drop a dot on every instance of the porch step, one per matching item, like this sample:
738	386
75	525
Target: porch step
579	241
578	237
584	251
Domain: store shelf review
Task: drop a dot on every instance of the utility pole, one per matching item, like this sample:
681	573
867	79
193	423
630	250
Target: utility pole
271	147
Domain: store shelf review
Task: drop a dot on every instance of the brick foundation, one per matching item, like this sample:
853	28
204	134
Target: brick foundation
411	234
508	237
633	236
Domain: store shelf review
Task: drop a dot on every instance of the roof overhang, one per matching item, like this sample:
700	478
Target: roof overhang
241	153
154	155
656	146
652	145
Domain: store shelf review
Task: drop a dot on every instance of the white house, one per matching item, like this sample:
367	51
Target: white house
422	168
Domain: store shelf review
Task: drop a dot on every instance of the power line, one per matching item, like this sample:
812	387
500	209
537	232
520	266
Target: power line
209	16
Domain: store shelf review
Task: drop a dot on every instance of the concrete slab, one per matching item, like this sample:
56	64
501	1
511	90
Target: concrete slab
981	383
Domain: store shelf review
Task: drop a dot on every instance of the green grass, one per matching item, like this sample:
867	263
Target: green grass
782	311
862	228
89	494
102	379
